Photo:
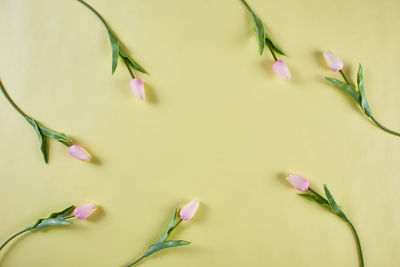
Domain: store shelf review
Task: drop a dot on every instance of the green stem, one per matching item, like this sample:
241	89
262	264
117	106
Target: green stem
271	50
247	5
383	127
14	236
175	225
136	261
358	242
12	102
128	67
96	13
345	77
315	193
68	217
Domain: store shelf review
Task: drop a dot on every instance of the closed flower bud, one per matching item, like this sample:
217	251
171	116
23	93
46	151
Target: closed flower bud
298	182
188	211
83	211
79	152
334	62
282	70
137	88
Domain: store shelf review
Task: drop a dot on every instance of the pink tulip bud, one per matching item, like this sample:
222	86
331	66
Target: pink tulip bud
137	88
334	62
188	211
298	182
83	211
79	152
281	69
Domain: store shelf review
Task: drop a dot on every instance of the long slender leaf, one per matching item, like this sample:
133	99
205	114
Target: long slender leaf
360	82
274	45
50	222
115	49
132	62
54	135
42	139
345	87
63	213
332	203
166	232
258	28
316	199
163	245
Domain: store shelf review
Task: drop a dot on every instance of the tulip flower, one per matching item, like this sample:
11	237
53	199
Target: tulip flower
79	152
60	218
334	62
281	69
83	211
302	184
186	213
189	210
357	93
137	88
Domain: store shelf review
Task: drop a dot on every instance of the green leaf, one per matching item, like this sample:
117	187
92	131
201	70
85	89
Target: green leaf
63	213
332	203
54	135
42	139
42	223
360	83
316	199
115	49
132	62
273	45
258	28
166	232
345	87
163	245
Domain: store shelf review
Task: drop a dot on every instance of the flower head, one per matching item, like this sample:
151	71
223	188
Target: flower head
83	211
188	211
137	88
334	62
298	182
79	152
282	70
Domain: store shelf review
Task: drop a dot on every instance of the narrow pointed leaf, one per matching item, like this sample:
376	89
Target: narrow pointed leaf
345	87
131	62
115	49
42	223
42	139
360	82
163	245
54	135
332	203
274	45
166	232
62	213
258	28
316	199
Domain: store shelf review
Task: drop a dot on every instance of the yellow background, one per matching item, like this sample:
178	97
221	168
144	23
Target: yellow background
217	126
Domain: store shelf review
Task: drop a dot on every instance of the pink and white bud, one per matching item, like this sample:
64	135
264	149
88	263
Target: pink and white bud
83	211
282	70
137	88
79	152
298	182
334	62
189	210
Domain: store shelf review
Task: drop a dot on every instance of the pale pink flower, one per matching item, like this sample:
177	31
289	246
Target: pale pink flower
282	70
188	211
334	62
137	88
83	211
298	182
79	152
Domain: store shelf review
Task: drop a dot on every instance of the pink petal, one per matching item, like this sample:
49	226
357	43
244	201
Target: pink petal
281	69
83	211
334	62
137	88
298	182
79	152
188	211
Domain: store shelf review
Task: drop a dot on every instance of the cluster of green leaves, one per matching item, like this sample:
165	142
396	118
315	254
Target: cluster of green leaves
263	39
356	93
56	218
328	202
43	133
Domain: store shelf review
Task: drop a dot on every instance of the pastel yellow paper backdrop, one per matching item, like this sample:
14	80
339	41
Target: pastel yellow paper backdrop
218	126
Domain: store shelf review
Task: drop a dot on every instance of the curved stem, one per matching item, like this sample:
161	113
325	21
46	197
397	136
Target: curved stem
175	225
358	242
345	77
96	13
136	261
271	50
383	127
3	90
14	236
